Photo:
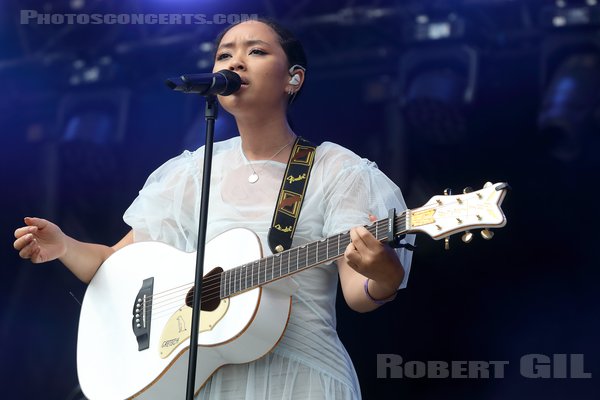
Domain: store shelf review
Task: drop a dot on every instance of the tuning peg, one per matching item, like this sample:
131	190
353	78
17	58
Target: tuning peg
447	192
468	189
487	234
487	185
467	237
446	243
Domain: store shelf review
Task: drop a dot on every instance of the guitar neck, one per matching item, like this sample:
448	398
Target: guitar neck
260	272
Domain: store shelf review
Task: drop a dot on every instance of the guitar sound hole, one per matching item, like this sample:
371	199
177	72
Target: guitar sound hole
211	284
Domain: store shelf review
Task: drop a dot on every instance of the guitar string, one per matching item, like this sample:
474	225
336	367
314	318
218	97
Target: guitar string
213	282
257	274
210	279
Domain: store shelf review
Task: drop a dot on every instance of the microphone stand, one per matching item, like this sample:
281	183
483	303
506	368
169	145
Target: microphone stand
210	115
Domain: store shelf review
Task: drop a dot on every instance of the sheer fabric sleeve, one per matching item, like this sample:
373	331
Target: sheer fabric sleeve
353	188
161	212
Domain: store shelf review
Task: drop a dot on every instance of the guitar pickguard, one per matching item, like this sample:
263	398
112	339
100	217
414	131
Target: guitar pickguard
177	329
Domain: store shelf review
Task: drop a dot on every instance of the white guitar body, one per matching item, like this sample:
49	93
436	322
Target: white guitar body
109	364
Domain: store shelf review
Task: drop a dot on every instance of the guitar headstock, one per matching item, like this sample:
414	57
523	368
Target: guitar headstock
447	214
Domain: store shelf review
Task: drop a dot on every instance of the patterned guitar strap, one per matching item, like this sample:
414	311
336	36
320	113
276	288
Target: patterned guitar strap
291	195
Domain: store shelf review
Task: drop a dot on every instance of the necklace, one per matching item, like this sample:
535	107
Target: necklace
253	178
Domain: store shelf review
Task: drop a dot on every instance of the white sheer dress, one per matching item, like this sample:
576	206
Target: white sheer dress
309	362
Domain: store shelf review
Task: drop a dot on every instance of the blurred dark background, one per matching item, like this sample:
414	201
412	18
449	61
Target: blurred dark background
439	93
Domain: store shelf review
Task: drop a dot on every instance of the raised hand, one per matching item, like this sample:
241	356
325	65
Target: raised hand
40	240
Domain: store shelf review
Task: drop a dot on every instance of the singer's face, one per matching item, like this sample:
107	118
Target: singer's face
252	50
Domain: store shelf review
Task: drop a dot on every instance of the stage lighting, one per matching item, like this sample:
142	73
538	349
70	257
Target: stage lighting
82	72
427	28
570	14
95	117
437	85
569	118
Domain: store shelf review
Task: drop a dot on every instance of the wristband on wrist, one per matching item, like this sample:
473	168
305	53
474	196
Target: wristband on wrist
378	302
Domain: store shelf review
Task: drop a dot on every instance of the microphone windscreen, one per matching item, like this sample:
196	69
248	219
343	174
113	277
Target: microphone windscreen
233	82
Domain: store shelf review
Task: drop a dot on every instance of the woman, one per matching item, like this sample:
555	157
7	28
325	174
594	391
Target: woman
309	362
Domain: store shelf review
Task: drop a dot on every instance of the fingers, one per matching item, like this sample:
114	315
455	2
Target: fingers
23	241
26	242
363	240
353	257
364	249
38	222
33	225
27	245
358	251
20	232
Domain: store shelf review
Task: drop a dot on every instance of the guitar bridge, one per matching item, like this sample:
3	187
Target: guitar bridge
142	314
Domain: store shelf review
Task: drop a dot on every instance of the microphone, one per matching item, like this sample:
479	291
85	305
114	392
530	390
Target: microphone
224	82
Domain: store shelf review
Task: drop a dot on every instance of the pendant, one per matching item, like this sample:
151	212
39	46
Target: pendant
253	178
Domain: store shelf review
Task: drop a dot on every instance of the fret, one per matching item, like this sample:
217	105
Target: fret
223	282
332	247
281	263
267	268
345	241
228	286
251	274
280	256
265	274
269	272
377	231
257	283
248	276
310	254
322	251
255	274
301	257
290	262
307	262
236	286
258	272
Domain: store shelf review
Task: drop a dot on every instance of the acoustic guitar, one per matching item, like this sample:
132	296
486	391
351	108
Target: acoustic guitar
134	329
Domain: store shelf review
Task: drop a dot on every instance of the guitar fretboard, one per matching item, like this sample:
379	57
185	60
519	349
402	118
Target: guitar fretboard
257	273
